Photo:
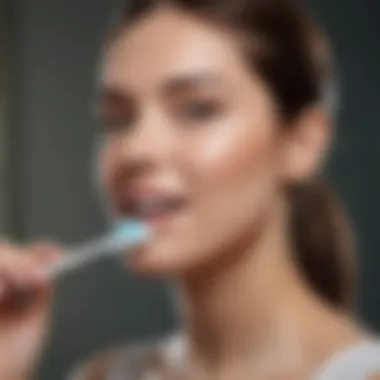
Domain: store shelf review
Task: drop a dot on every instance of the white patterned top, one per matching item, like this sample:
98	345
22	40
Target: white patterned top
361	362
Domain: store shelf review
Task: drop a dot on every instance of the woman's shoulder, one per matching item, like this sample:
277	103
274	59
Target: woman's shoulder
133	361
359	362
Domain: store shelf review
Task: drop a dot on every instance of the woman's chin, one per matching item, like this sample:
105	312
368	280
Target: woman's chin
144	264
154	263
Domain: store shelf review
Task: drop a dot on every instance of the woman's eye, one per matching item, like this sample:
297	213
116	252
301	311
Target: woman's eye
199	110
113	124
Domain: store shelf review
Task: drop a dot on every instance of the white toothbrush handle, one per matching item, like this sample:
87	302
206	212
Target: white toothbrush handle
90	252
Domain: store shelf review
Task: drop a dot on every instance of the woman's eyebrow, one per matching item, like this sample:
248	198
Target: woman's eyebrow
185	82
177	84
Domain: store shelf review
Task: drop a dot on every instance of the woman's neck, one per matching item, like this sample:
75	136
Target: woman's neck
252	308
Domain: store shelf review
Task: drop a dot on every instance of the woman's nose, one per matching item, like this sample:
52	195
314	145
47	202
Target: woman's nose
150	141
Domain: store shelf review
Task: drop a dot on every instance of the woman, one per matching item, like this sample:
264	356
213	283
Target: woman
216	119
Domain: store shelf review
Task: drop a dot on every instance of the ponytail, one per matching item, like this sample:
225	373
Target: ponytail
323	243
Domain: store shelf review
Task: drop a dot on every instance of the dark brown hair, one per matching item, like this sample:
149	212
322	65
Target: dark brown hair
289	52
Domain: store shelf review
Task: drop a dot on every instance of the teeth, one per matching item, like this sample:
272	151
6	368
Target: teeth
151	206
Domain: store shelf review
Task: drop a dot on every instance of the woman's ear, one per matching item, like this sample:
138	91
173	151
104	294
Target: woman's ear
306	144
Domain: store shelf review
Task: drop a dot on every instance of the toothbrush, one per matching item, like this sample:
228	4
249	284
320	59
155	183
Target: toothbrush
125	235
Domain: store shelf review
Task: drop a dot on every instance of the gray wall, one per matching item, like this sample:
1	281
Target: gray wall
57	43
5	71
55	46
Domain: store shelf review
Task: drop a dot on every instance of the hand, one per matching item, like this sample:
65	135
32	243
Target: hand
25	298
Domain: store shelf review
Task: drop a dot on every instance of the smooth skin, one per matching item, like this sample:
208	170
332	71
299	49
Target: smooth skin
181	113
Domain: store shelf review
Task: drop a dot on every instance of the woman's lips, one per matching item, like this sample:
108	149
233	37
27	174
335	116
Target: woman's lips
153	210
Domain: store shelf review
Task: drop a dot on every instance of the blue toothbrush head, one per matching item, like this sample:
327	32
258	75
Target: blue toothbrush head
129	232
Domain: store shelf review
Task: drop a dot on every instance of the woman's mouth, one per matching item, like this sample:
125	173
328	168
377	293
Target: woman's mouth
154	209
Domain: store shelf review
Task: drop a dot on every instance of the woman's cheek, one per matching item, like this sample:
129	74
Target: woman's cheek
232	156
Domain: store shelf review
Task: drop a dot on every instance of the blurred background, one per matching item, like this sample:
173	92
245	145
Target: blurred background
48	63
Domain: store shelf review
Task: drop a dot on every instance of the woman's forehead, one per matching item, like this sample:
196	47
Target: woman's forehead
166	45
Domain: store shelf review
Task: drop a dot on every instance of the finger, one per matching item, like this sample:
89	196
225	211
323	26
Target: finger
23	279
45	252
6	248
24	290
3	290
20	272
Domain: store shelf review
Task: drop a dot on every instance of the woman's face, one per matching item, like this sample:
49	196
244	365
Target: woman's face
191	143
